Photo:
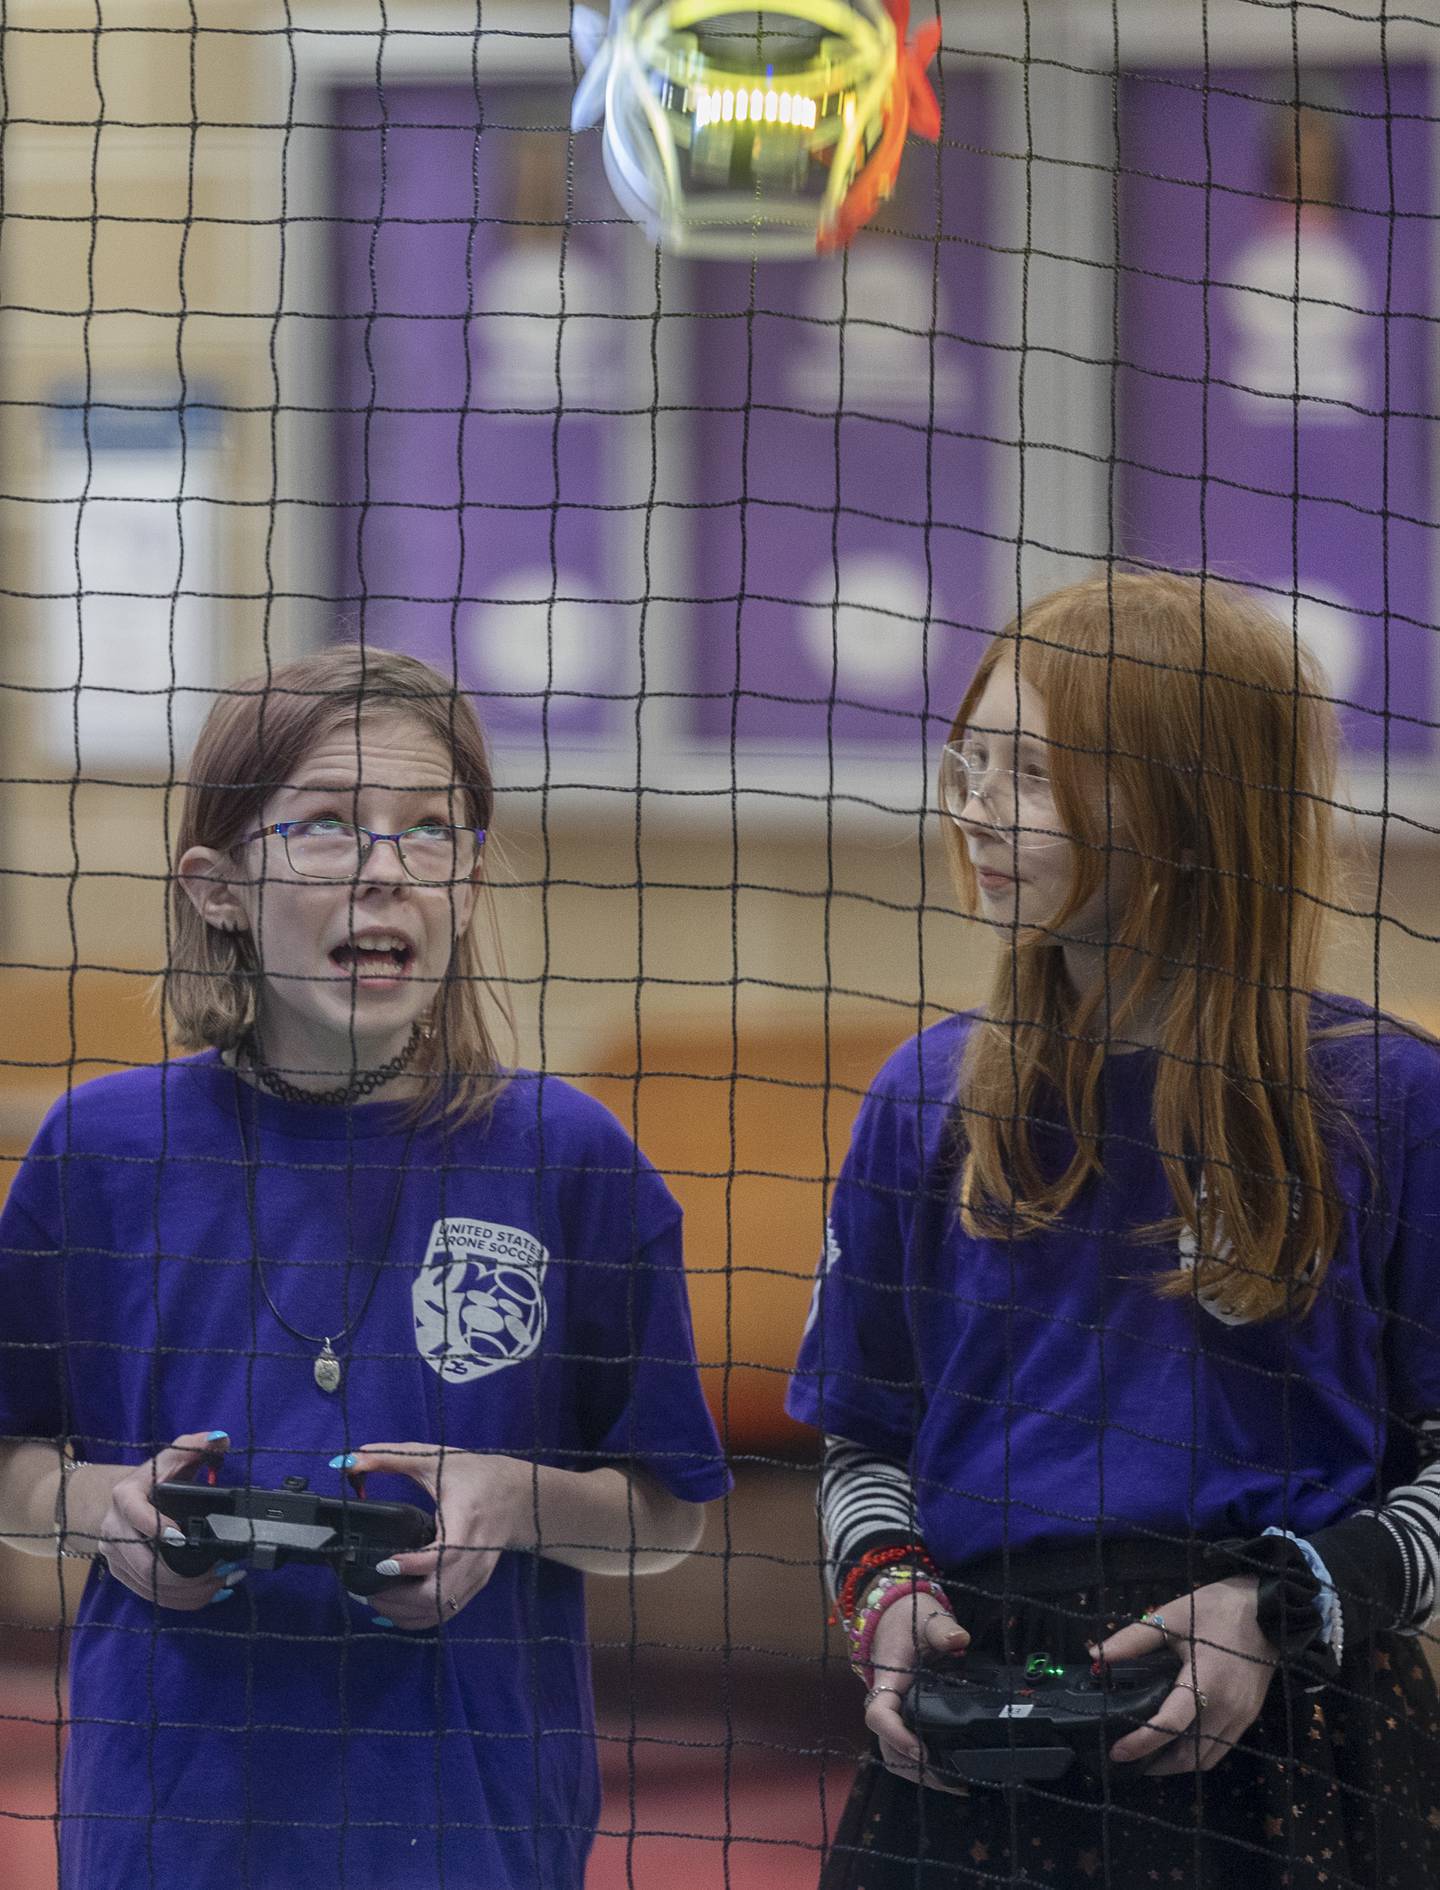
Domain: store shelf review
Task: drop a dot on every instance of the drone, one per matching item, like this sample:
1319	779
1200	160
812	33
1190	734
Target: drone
777	132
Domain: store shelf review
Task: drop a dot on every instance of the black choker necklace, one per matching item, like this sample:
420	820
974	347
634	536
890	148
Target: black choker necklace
358	1086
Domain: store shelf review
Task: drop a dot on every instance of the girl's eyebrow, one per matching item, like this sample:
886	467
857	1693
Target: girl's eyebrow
1026	737
338	786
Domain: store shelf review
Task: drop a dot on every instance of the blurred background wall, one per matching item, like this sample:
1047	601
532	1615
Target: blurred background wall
754	947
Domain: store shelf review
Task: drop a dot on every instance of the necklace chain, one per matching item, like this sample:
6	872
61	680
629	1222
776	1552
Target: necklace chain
358	1086
327	1369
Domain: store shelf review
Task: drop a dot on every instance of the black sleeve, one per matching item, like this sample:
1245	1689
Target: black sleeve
1384	1562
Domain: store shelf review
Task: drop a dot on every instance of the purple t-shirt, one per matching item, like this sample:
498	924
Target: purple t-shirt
530	1301
1039	1389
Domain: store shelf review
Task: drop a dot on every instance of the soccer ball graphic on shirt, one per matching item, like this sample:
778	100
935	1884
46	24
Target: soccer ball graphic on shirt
479	1298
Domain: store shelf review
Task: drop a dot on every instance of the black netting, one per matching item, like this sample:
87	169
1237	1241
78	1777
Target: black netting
512	734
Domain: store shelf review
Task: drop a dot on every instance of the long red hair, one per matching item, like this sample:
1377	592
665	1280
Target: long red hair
1212	725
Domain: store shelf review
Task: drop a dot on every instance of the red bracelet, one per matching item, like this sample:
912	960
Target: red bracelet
869	1563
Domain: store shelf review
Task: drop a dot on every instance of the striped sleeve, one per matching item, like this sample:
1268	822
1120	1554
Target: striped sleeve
1411	1515
1384	1562
867	1501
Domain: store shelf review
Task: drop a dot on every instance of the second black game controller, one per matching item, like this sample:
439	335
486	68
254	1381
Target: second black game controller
994	1724
266	1529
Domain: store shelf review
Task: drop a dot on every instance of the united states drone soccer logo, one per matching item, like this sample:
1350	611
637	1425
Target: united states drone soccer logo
479	1298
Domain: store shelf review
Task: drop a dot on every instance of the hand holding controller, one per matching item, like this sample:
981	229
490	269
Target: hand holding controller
130	1533
268	1529
994	1724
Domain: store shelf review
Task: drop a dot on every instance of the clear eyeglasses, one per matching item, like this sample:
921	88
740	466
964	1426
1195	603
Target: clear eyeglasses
1016	796
432	853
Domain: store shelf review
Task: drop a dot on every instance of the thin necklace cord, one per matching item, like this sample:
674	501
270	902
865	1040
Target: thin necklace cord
249	1166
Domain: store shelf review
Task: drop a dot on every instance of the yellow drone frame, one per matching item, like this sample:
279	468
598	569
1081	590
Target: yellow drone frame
719	156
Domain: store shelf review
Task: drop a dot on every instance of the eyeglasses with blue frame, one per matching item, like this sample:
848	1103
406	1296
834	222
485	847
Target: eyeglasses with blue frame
432	853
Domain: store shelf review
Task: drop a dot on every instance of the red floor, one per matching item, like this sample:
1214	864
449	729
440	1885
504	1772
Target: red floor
758	1826
28	1758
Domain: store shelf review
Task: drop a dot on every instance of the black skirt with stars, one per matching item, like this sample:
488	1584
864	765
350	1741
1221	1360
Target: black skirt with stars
1336	1790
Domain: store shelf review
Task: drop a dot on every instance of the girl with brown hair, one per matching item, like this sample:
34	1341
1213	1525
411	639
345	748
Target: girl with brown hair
1124	1337
341	1241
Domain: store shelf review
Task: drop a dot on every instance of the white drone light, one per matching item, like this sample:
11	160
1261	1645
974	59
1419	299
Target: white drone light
770	131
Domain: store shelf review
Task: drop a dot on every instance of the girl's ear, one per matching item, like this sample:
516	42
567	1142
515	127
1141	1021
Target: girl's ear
199	872
463	908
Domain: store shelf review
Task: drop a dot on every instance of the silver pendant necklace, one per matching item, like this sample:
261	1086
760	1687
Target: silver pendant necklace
327	1370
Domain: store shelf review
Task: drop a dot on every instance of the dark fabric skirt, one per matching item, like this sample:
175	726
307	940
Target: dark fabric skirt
1337	1790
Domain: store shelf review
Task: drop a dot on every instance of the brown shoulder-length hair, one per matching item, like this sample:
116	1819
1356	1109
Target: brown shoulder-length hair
1212	726
254	740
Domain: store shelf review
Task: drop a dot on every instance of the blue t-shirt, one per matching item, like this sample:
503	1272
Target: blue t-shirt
531	1301
1041	1389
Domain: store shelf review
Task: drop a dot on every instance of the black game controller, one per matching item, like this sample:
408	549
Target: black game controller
268	1528
998	1725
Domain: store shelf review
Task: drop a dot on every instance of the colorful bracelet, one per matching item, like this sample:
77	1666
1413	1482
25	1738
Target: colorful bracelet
891	1587
881	1582
895	1584
869	1564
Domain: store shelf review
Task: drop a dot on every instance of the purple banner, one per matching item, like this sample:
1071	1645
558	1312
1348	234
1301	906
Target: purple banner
482	522
1278	383
841	563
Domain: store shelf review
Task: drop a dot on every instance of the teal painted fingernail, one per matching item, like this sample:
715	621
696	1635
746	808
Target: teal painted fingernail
228	1568
381	1620
345	1461
215	1436
224	1595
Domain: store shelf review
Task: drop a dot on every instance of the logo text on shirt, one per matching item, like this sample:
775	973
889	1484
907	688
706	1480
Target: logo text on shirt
479	1298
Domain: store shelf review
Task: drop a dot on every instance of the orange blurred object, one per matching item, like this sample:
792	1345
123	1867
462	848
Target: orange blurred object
749	1131
913	107
61	1029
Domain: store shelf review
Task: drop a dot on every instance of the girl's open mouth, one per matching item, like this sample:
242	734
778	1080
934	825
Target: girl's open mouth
369	960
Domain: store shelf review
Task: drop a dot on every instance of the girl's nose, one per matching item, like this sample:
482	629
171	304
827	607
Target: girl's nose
382	863
979	809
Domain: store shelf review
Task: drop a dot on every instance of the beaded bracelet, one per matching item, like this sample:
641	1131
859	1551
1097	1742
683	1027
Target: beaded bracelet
899	1573
869	1563
895	1584
889	1588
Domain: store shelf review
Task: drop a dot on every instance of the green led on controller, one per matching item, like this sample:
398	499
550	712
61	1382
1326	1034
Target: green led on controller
1038	1666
